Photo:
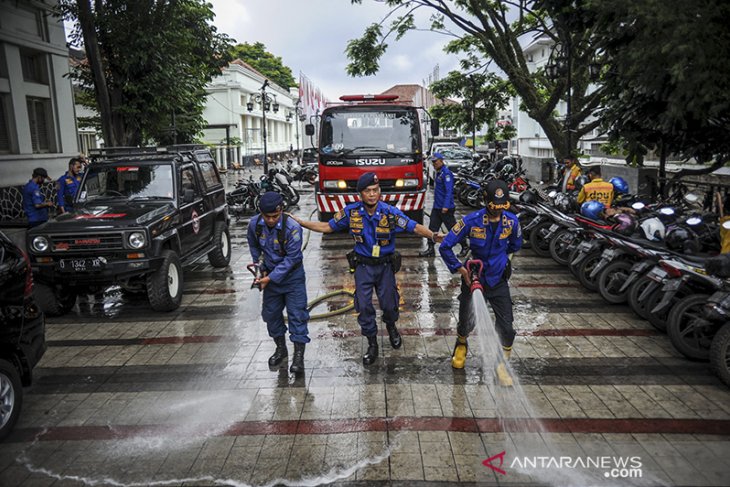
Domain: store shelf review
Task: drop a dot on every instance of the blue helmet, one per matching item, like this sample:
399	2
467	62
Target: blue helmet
619	185
592	209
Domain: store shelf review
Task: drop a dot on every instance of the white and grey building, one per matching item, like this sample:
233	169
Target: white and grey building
37	119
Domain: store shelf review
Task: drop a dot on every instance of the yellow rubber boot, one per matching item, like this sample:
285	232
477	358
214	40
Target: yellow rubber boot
503	376
458	358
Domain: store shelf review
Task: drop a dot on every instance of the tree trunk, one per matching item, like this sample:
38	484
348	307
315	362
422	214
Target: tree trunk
93	56
719	162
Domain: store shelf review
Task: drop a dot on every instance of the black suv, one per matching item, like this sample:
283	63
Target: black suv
22	332
139	215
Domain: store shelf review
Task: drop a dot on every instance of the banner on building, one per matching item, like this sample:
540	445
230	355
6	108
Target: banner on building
313	101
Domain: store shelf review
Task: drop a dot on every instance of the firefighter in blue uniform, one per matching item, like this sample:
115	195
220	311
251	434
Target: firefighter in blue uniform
443	200
373	225
34	203
275	240
68	184
494	234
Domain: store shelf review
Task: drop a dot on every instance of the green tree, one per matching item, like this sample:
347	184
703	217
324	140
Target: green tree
491	31
666	77
147	64
484	94
266	63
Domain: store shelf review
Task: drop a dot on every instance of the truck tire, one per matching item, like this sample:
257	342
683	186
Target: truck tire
720	354
11	397
165	285
689	332
220	256
54	300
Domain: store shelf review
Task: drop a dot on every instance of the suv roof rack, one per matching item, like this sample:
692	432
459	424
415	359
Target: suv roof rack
122	151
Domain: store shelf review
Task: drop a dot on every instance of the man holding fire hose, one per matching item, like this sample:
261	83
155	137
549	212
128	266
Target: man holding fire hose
275	242
494	234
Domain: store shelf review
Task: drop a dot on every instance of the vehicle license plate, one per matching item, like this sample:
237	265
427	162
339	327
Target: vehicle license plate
82	265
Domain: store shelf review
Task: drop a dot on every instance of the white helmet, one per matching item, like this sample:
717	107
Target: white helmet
653	229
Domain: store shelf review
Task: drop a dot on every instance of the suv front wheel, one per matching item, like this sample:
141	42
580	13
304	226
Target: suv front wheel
165	285
54	300
220	256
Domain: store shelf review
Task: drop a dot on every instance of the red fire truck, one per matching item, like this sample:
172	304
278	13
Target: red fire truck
371	133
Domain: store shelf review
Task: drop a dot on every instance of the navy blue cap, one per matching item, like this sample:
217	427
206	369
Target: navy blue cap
367	179
270	202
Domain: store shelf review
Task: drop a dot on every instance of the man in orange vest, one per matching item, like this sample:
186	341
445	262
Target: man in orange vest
572	171
597	189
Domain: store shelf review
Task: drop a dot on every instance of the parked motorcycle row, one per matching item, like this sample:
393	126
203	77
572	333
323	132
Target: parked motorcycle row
469	180
244	199
656	257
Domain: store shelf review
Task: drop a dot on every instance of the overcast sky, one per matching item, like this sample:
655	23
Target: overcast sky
311	36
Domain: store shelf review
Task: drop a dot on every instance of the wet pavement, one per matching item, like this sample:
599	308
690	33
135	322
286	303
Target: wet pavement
128	396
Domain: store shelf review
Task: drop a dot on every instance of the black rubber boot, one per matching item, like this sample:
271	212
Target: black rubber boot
280	353
393	335
429	252
372	352
297	363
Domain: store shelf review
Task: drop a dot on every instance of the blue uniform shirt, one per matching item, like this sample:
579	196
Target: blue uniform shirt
368	231
443	193
32	196
488	243
277	265
67	187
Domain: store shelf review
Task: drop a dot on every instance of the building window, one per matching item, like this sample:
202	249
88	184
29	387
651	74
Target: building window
35	68
5	146
40	118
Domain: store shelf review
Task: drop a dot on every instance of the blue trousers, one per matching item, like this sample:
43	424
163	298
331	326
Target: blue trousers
382	278
292	295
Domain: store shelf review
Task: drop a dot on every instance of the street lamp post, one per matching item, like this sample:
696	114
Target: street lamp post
299	119
268	102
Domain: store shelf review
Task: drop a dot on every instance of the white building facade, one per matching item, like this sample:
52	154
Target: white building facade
226	108
37	119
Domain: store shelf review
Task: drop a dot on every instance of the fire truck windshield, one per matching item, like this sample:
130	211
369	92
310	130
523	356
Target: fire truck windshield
370	131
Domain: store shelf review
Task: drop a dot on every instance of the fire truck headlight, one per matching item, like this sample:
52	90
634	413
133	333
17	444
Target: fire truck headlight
341	184
406	183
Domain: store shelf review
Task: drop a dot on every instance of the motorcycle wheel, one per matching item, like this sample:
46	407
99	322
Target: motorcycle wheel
720	354
293	195
635	290
472	198
658	320
560	247
537	240
525	235
585	268
690	333
573	268
610	280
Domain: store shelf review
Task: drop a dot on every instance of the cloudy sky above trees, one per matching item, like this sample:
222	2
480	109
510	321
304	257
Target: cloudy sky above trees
311	36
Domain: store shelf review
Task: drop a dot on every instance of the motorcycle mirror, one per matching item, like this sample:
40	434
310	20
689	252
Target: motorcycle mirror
667	211
695	220
309	129
638	206
726	225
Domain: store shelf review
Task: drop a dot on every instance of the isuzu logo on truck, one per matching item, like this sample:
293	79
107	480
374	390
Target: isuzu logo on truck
370	162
